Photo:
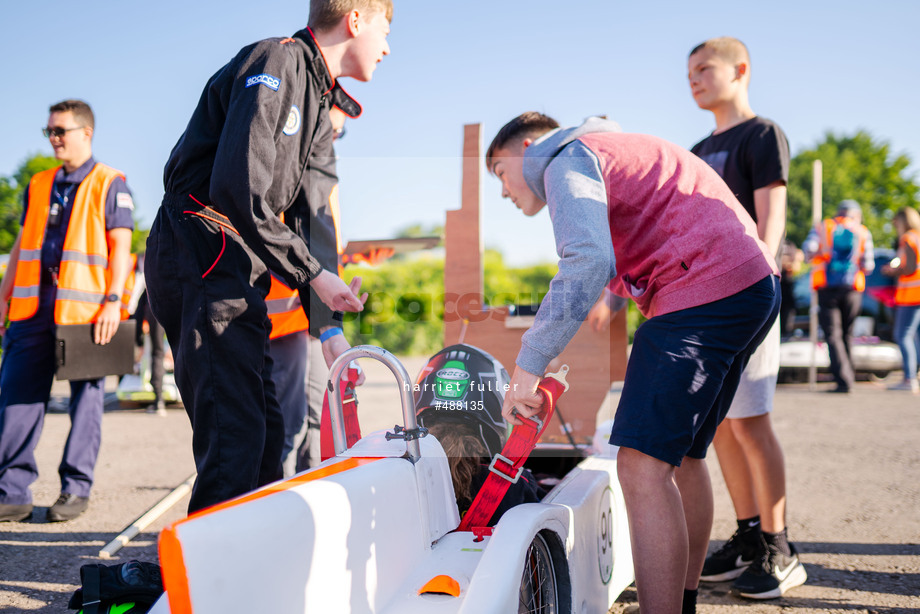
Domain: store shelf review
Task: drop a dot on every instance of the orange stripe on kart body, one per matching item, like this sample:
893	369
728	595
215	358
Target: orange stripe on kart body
172	562
172	566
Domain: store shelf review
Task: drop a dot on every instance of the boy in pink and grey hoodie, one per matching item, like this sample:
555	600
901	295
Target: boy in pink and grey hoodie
663	228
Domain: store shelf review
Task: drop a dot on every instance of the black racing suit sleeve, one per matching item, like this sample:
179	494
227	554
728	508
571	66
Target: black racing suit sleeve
299	215
318	314
316	203
247	156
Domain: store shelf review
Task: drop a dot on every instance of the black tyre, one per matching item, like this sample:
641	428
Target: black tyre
539	592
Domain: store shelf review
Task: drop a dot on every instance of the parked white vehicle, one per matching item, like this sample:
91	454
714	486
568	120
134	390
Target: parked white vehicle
871	357
373	530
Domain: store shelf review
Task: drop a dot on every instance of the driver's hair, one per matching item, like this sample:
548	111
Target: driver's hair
465	451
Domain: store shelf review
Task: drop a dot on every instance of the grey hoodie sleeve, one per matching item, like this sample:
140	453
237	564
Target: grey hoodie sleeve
577	201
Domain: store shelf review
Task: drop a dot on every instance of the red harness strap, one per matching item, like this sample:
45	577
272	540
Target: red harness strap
349	412
505	468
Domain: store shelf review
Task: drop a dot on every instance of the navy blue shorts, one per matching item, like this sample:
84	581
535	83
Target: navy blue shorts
684	369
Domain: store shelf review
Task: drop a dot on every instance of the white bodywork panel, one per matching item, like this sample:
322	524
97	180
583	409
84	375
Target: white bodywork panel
366	539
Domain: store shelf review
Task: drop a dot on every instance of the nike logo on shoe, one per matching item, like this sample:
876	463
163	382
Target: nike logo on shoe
741	562
782	574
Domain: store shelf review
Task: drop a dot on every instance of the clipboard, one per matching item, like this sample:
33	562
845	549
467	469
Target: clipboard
78	357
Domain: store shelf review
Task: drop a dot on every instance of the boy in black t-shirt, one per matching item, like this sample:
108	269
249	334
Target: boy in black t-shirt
751	154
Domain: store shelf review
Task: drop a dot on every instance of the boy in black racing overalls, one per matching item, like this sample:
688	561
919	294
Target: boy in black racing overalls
243	161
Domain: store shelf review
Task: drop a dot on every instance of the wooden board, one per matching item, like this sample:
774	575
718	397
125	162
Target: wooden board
399	246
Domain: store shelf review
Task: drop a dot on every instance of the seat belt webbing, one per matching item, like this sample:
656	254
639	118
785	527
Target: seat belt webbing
506	467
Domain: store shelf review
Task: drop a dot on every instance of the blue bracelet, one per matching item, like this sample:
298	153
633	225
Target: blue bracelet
329	334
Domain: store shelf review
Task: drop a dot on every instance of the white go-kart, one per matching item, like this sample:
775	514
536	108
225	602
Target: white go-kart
374	530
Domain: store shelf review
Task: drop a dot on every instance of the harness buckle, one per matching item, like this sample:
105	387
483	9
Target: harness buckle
536	421
505	476
533	419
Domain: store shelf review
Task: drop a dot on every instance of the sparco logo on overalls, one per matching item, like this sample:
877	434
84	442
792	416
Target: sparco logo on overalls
268	81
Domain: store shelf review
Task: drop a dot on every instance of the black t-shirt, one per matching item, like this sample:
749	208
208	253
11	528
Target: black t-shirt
749	156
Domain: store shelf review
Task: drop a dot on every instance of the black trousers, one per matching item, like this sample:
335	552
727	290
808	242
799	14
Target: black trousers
157	346
838	308
208	291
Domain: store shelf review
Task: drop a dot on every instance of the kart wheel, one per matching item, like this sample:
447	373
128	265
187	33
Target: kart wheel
539	594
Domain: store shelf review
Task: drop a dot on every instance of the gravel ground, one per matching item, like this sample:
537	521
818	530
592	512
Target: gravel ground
853	467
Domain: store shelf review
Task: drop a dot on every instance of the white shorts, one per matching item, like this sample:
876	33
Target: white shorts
758	381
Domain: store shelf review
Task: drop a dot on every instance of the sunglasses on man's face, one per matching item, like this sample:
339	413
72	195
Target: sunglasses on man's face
57	131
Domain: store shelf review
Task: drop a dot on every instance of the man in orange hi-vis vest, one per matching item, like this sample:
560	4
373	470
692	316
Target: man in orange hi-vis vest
69	265
842	254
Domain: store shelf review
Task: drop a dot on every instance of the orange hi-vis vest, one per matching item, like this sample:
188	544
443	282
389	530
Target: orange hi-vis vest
285	309
826	238
84	276
908	290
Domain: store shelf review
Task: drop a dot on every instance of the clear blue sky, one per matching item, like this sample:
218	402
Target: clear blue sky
818	65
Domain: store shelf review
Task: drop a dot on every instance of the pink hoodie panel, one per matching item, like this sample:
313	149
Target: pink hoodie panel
680	236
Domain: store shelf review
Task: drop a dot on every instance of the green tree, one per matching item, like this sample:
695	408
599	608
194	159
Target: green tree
417	230
405	306
857	167
11	190
139	239
10	212
514	286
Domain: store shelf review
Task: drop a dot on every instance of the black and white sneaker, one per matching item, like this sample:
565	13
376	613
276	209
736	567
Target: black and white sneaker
771	575
730	561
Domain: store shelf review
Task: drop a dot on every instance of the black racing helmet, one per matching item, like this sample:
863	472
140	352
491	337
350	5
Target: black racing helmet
463	384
